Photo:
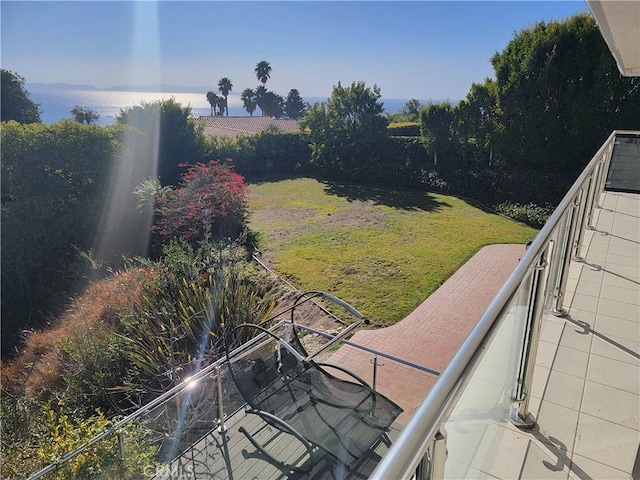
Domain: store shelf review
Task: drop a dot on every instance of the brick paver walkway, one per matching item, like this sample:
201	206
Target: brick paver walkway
433	332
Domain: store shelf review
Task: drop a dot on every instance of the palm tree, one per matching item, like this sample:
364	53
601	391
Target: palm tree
260	94
225	86
263	71
248	98
221	105
212	98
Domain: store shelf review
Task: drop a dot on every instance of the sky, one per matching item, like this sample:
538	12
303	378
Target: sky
415	49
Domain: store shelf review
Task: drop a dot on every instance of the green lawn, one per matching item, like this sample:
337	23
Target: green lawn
382	250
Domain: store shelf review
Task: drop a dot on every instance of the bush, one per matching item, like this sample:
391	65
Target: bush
210	203
531	214
405	129
178	327
265	153
526	196
54	180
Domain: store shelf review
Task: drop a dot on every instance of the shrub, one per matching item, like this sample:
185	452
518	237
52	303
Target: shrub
210	203
179	324
531	214
404	129
54	180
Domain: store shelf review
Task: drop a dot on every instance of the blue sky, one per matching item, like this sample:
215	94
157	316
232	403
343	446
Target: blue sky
419	49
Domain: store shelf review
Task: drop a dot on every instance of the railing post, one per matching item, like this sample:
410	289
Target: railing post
221	427
593	194
520	415
122	452
375	371
431	467
584	205
558	305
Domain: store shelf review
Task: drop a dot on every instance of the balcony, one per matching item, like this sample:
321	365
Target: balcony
546	384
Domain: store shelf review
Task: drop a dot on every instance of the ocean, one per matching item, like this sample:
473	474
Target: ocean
56	103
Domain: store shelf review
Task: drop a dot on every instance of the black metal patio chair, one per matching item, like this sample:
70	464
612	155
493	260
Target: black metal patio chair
330	410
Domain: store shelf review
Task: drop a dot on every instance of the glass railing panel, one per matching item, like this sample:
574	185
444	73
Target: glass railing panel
559	246
476	424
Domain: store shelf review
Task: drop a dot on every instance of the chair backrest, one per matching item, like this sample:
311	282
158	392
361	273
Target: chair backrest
262	361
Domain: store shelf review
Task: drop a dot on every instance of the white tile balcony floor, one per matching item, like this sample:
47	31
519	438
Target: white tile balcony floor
586	391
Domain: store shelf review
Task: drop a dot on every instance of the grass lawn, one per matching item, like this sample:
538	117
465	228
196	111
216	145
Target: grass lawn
382	250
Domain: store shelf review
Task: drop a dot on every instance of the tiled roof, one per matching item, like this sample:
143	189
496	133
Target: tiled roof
233	126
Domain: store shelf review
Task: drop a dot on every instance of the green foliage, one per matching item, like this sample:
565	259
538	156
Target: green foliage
265	153
560	95
53	190
84	115
404	129
170	137
348	132
476	124
16	104
210	203
225	86
271	104
93	365
178	328
436	121
531	214
248	97
22	423
100	460
212	98
263	71
405	159
294	106
524	195
409	113
34	436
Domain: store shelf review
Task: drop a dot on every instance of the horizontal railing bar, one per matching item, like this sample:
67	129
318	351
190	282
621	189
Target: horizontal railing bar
372	350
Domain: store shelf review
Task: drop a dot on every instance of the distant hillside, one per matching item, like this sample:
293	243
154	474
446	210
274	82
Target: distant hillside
120	88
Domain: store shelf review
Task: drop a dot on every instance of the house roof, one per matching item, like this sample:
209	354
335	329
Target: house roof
234	126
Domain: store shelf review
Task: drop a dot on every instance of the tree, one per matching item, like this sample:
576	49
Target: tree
476	123
436	121
348	133
263	71
294	106
248	98
84	115
411	110
272	105
225	86
260	96
560	95
15	102
212	98
171	137
222	105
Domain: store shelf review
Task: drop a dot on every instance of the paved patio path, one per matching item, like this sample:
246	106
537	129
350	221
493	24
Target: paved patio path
433	332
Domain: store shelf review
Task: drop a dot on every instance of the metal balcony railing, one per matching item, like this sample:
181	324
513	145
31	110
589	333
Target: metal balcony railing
489	379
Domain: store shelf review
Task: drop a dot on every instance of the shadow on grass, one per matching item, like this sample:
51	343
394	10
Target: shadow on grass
412	200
